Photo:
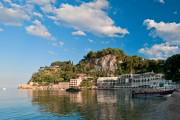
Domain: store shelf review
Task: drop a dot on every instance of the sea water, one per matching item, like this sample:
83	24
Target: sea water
86	105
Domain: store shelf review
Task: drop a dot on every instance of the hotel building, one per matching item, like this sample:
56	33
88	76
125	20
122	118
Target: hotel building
106	82
149	79
144	80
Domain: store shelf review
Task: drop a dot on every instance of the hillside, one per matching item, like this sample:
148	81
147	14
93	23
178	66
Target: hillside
106	62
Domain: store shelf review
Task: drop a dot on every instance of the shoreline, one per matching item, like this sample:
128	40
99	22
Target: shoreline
49	87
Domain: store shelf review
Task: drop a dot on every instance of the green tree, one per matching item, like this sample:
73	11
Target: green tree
172	68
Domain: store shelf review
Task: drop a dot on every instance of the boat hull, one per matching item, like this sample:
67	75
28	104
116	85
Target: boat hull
152	94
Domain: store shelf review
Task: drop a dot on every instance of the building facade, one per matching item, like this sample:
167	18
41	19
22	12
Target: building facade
106	82
149	79
75	82
144	80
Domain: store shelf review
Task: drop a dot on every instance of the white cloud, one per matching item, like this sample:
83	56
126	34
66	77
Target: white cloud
13	15
90	40
38	14
46	5
92	16
105	42
58	44
160	51
162	1
8	1
51	52
169	33
1	30
61	43
79	33
38	29
16	12
89	17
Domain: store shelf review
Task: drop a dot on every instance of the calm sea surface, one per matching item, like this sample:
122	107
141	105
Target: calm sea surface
86	105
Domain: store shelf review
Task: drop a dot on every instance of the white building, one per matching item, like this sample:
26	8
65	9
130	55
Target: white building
106	82
75	82
149	79
145	80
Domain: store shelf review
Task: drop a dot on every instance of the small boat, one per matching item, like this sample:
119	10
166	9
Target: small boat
72	90
158	93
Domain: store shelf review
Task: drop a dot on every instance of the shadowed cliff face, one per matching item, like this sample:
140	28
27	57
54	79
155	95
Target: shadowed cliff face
106	64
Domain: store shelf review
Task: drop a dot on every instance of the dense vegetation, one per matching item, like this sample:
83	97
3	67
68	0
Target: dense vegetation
87	83
63	71
172	68
55	73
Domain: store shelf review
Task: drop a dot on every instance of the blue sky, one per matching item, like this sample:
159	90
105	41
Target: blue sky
34	33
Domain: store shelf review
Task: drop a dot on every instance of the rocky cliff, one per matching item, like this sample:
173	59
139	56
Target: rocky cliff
107	63
104	62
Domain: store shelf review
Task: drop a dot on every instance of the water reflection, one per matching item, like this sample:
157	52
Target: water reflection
95	105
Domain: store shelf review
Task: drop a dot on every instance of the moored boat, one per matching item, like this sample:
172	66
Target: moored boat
72	89
152	93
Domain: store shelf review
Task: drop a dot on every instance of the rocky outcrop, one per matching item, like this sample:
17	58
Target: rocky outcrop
25	86
33	87
107	64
